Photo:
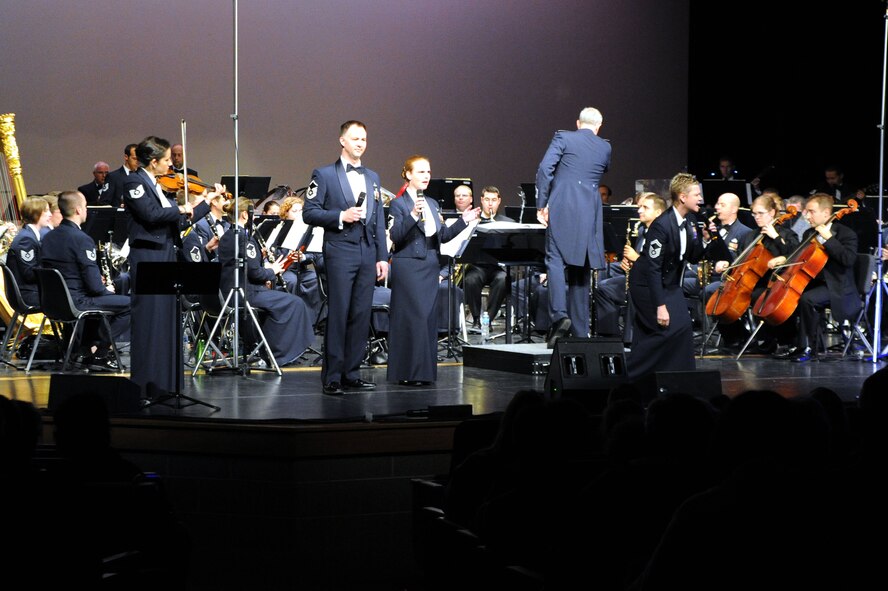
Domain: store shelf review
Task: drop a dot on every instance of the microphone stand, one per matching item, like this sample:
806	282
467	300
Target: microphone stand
880	279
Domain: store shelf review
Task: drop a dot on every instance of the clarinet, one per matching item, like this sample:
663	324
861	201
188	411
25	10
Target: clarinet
103	264
217	229
279	277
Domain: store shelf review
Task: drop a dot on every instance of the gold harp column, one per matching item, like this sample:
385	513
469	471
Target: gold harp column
13	163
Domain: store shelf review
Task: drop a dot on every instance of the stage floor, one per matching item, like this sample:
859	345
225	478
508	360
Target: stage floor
296	395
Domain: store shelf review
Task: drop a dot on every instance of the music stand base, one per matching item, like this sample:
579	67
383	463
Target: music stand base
165	400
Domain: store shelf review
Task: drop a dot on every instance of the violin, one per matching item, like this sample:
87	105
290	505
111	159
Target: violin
781	297
734	295
172	182
294	256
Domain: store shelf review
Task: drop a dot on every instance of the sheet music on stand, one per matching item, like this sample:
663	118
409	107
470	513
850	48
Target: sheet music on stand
279	234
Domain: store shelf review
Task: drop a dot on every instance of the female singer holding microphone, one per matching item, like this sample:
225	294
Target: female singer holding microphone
416	233
286	321
154	234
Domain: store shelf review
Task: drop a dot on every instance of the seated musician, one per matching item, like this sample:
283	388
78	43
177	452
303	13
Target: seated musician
214	223
834	286
610	293
476	276
71	250
286	321
721	242
196	247
302	273
24	252
778	240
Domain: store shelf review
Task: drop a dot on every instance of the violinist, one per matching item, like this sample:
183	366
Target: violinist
286	323
155	227
834	286
663	334
777	240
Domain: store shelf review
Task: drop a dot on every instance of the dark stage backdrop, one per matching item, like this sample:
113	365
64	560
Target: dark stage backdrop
795	89
477	86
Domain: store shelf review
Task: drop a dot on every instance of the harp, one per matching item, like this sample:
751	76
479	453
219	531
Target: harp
12	194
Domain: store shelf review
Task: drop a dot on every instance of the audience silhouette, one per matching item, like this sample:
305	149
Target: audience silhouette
732	493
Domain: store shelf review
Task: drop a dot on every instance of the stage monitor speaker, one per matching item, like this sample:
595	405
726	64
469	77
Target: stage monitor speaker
704	384
122	395
586	369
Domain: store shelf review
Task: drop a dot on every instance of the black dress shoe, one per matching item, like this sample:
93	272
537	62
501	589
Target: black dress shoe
333	389
556	331
413	383
785	353
358	384
802	355
102	363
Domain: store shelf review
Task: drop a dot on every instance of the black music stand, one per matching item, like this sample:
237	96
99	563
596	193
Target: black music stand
449	346
178	278
510	246
100	223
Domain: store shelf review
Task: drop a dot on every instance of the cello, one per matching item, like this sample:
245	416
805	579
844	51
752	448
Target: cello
734	294
790	279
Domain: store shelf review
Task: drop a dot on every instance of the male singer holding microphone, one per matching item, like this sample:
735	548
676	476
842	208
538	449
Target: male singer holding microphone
569	203
343	198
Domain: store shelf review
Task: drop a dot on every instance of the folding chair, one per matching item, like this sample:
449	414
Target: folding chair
58	307
20	312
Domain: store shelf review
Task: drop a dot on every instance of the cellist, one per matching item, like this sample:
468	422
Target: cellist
777	240
834	286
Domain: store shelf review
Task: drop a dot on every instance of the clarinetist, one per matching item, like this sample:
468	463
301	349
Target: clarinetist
71	250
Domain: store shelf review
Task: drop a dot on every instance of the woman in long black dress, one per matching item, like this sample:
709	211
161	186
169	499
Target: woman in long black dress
285	319
154	234
416	233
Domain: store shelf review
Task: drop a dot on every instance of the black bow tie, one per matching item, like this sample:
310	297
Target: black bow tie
357	169
681	225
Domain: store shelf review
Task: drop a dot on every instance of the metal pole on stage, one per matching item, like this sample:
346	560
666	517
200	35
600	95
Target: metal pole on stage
877	324
236	194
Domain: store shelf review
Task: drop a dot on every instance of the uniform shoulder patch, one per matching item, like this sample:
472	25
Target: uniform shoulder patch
27	255
251	250
137	192
195	254
91	254
312	190
655	248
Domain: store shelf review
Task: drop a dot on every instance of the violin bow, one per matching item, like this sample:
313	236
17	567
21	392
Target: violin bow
184	162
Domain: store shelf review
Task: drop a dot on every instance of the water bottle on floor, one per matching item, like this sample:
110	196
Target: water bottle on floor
485	327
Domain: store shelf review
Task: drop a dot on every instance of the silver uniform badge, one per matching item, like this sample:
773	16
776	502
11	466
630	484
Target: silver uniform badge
195	254
656	247
27	255
312	190
137	192
251	250
91	254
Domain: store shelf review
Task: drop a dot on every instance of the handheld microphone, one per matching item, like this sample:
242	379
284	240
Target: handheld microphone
419	195
360	200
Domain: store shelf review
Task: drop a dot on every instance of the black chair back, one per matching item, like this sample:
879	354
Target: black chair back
55	299
14	294
864	268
